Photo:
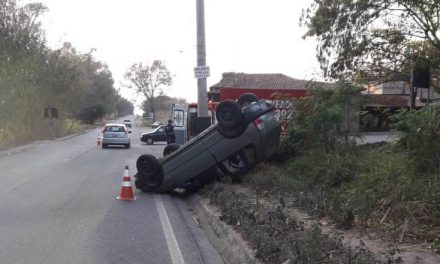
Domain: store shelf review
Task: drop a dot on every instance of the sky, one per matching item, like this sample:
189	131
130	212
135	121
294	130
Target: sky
249	36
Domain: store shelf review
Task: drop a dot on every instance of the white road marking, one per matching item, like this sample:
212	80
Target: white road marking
173	246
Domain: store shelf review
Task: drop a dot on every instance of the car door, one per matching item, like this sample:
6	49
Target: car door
161	135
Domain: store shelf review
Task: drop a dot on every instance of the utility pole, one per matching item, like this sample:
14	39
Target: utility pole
201	72
202	103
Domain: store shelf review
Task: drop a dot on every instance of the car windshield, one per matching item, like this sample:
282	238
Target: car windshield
158	129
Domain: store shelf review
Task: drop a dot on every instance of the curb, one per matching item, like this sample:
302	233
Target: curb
229	244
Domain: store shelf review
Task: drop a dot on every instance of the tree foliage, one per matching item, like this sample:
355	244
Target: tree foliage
319	121
373	39
33	76
20	31
124	107
163	103
420	135
149	81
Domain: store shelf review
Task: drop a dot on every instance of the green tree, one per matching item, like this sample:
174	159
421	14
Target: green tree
372	39
162	103
77	84
124	107
20	31
320	120
22	49
148	81
420	134
33	77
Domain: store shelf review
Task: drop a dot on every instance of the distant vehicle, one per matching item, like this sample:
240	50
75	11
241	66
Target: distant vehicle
184	120
127	123
156	135
243	136
115	134
156	124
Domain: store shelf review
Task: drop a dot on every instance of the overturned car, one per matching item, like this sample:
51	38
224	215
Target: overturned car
246	133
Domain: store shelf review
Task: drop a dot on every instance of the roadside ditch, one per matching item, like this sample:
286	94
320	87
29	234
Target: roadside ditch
246	229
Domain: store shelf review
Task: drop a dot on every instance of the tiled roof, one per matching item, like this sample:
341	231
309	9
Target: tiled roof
263	81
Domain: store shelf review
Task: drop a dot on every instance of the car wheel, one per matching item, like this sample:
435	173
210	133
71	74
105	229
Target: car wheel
150	141
240	162
246	99
141	186
229	114
127	145
170	148
150	174
104	146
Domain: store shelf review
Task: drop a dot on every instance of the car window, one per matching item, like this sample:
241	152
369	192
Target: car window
178	118
114	129
161	129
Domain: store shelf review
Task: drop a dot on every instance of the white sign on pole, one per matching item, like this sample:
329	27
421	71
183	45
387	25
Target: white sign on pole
201	72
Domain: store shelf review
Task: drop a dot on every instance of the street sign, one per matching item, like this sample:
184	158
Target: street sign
201	72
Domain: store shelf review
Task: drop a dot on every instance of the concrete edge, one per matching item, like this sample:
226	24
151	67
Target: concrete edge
232	248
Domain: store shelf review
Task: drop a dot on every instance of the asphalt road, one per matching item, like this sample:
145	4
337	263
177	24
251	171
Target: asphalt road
58	205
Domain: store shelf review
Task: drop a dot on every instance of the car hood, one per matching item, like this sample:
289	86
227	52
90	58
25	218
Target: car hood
149	133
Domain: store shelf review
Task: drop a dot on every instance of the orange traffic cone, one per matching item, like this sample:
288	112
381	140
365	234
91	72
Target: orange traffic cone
126	189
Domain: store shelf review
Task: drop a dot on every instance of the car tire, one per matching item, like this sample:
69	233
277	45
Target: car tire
150	175
141	186
104	146
246	99
170	148
150	141
127	145
229	114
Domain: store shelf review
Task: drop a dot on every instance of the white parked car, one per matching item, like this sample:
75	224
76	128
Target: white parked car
115	134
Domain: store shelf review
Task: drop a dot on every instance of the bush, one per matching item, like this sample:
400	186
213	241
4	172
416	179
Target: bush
320	121
420	134
326	174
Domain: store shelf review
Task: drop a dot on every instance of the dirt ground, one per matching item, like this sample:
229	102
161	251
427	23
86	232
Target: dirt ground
379	245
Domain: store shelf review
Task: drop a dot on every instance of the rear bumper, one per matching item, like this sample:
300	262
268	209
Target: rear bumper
115	141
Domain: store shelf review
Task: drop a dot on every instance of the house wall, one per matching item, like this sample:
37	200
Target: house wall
399	88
